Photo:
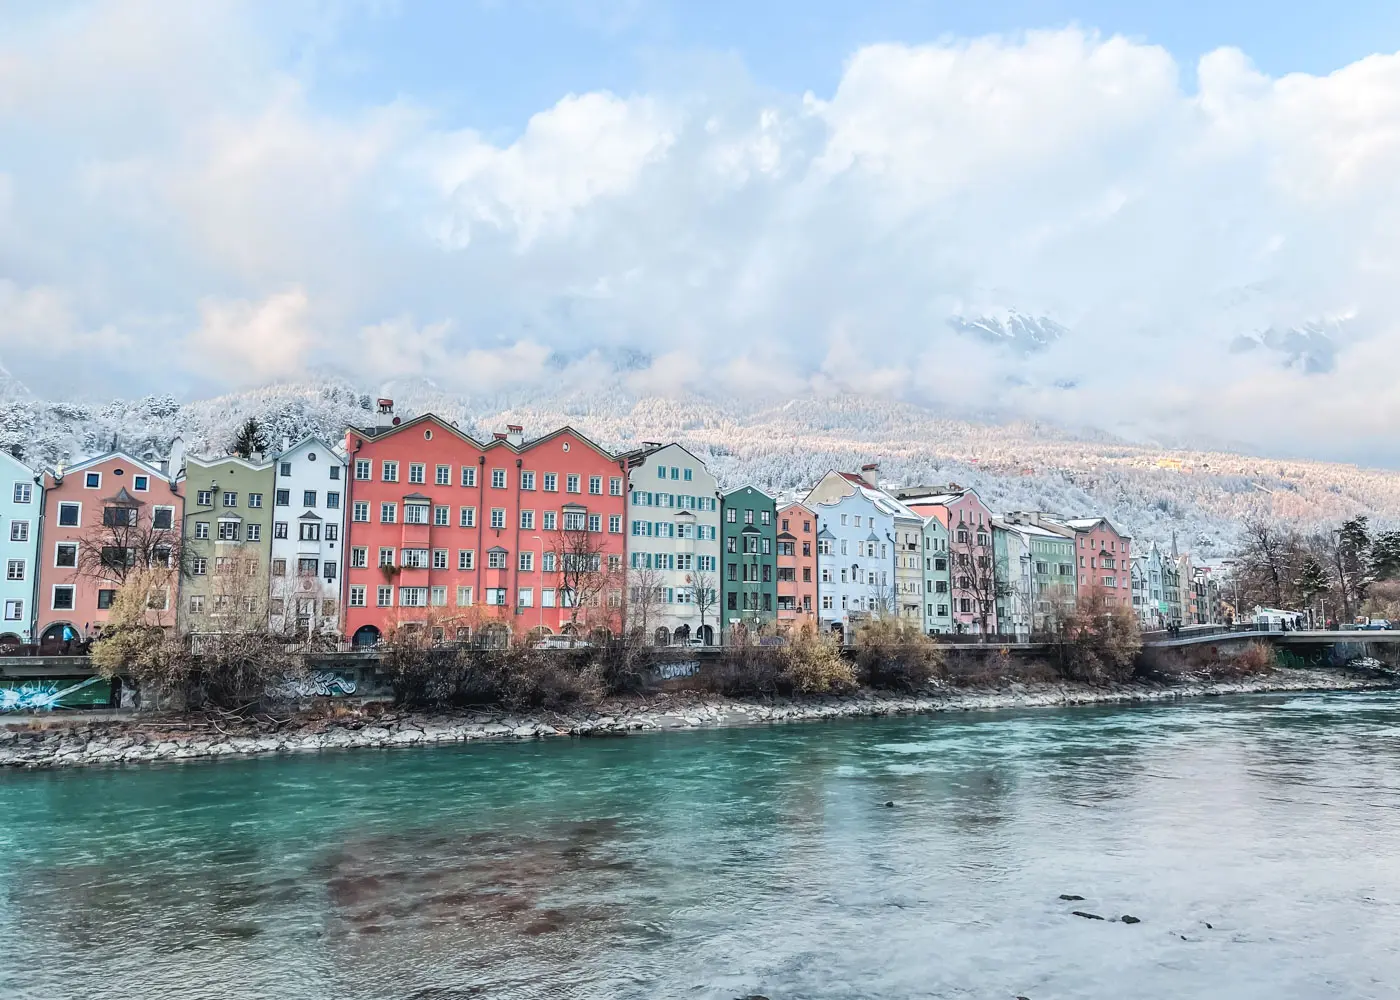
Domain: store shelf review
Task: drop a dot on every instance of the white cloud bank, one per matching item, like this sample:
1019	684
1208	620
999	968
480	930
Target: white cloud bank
214	224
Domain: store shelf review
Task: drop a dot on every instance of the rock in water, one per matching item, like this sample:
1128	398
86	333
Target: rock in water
889	805
1087	916
1068	897
1128	918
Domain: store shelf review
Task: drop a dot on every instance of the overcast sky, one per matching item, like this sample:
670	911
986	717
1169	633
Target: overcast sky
203	196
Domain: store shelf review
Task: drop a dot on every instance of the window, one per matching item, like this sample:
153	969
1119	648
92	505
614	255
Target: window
496	559
119	517
359	557
525	597
332	532
527	562
308	531
498	517
14	569
661	472
389	471
551	482
595	522
279	529
415	559
615	486
748	517
416	472
467	518
439	559
687	475
527	480
498	479
307	566
66	554
24	493
332	499
384	596
441	516
163	518
595	485
439	597
496	596
282	498
362	468
573	520
550	521
527	520
466	559
14	611
62	597
442	476
468	475
415	513
19	530
255	532
93	480
386	556
357	595
360	511
68	514
228	531
388	513
731	515
106	597
547	562
464	597
254	500
308	498
231	498
615	524
201	529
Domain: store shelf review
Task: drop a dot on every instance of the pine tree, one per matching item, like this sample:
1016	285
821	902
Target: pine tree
1312	580
249	440
1385	556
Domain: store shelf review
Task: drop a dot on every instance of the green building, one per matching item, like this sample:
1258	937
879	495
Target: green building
748	560
227	544
1034	573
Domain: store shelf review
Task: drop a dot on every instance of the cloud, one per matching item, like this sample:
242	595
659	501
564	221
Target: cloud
767	243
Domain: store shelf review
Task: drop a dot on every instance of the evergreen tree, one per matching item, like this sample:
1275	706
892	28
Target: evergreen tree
1385	556
1312	580
250	439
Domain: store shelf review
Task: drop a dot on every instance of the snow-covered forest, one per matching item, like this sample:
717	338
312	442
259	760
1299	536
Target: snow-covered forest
779	446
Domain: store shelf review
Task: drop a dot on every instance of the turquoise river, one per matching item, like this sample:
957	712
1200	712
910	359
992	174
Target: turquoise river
1257	839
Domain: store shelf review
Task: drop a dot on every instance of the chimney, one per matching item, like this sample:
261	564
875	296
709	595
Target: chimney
515	434
953	487
386	406
870	474
499	435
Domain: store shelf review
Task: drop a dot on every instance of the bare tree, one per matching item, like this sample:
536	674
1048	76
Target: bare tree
706	595
974	573
587	574
128	539
642	601
880	596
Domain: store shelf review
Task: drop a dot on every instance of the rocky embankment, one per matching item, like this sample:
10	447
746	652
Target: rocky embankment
66	741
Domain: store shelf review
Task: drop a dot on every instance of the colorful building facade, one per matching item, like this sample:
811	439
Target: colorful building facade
105	519
854	550
673	546
308	539
972	557
797	566
482	540
749	574
227	541
938	591
21	504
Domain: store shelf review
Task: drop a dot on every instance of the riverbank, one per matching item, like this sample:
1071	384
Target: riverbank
69	741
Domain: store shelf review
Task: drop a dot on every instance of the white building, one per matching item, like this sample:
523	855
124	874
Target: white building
855	550
308	535
673	545
20	504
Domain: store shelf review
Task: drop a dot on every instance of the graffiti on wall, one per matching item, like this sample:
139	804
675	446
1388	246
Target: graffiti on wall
47	695
317	684
670	671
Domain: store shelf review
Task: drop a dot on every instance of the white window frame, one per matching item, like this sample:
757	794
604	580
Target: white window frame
69	503
53	597
98	486
59	545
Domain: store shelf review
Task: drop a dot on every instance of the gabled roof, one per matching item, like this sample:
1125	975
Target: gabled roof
418	498
124	498
310	515
87	463
311	439
637	456
206	463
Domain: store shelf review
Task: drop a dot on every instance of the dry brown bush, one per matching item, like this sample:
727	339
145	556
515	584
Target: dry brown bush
895	654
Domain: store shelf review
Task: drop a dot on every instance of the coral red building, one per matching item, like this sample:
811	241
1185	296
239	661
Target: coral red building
481	539
797	565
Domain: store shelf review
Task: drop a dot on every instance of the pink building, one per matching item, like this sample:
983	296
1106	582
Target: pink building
102	519
1102	558
973	566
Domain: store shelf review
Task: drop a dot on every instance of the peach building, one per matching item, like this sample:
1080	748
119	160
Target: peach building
797	565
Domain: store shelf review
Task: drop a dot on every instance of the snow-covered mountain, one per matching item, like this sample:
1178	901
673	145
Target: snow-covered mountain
778	445
1013	331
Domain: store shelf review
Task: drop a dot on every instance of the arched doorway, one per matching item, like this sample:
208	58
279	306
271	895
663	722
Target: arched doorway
707	635
600	636
365	636
539	632
54	633
662	636
8	640
681	636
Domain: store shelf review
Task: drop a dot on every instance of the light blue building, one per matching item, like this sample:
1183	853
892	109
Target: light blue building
855	551
20	507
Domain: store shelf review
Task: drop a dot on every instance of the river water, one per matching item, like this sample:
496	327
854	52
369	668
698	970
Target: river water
1257	839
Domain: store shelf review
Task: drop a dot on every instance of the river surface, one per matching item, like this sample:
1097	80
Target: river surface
1257	839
